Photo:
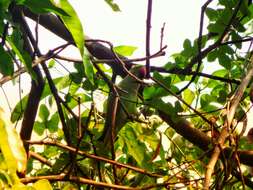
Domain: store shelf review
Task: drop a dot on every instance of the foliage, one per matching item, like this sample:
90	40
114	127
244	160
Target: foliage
168	144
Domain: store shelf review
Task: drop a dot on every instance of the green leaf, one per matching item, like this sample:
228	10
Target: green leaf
6	64
211	14
216	28
222	98
188	49
225	61
162	106
125	50
18	111
23	56
11	146
61	162
76	77
51	63
88	66
113	5
39	128
44	112
205	100
188	97
134	147
154	92
5	177
181	60
74	25
236	37
244	8
212	56
51	151
83	98
43	6
227	3
52	124
187	44
42	184
178	107
88	86
220	73
165	80
225	16
226	50
4	4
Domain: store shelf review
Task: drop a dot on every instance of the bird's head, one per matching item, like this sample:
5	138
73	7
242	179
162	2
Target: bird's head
139	71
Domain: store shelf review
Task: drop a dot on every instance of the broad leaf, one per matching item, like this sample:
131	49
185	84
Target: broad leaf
6	64
11	146
74	25
134	146
125	50
41	7
16	44
42	184
44	112
188	96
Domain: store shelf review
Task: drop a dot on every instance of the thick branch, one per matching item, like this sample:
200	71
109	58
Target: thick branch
36	89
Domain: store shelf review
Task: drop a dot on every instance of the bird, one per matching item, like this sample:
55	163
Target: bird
126	106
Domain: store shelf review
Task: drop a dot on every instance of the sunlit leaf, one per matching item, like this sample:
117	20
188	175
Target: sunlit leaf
44	6
74	25
39	128
52	124
11	146
44	112
125	50
88	66
134	147
42	184
188	96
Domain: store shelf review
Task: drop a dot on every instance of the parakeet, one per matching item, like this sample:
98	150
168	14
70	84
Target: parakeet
128	97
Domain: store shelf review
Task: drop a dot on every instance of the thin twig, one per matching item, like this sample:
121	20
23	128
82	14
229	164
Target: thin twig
114	105
125	60
148	29
118	59
155	68
37	61
199	60
40	158
64	177
71	149
162	35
